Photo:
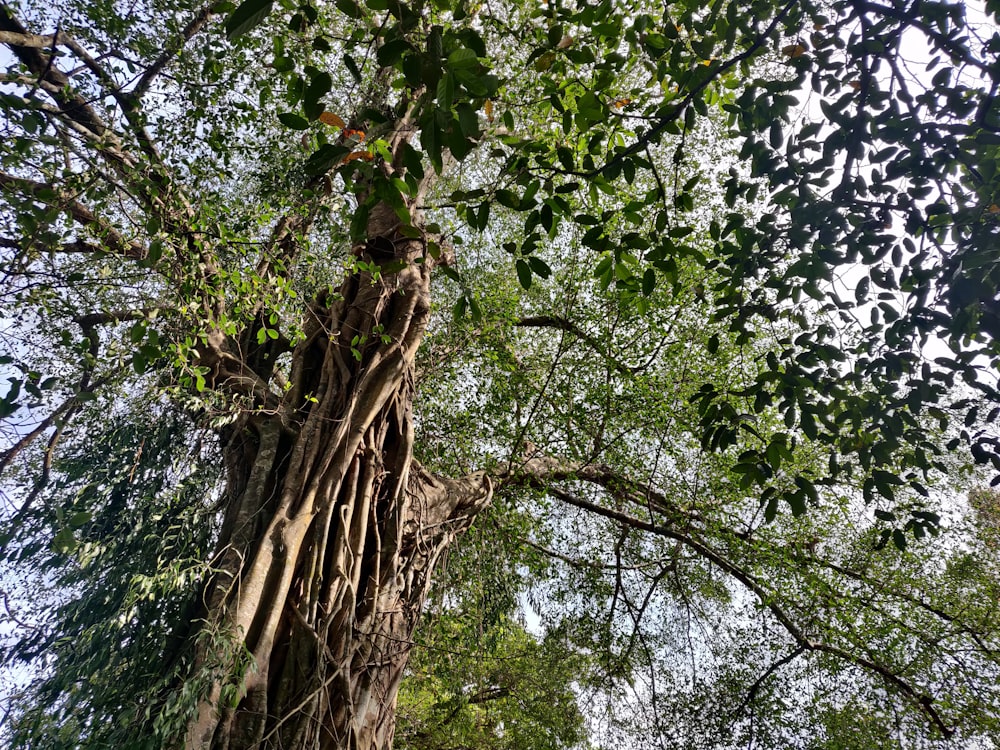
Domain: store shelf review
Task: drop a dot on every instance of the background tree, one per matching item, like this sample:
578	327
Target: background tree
223	224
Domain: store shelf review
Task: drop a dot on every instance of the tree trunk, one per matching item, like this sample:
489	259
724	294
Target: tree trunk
332	530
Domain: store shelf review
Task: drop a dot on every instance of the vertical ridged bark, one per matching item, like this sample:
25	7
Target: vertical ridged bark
332	531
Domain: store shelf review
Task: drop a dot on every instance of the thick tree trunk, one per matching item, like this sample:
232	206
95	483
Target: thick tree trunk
332	531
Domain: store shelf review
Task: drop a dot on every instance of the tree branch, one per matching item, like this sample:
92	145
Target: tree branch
541	471
563	324
41	482
110	147
90	320
171	49
31	41
677	111
73	106
902	595
759	682
63	200
943	42
11	453
79	110
577	563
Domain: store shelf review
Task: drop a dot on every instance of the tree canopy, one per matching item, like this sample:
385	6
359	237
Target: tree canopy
692	309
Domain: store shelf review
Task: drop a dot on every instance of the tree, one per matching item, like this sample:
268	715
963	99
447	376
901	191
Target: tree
225	221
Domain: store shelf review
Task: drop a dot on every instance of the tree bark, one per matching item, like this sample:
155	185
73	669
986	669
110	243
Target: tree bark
332	530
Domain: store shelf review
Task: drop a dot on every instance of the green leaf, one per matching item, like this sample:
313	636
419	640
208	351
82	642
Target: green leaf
247	16
468	120
591	108
392	52
771	511
413	161
797	502
325	158
463	60
539	267
359	222
64	541
649	282
446	91
352	67
293	121
430	139
476	310
508	199
320	84
349	8
899	539
79	519
523	273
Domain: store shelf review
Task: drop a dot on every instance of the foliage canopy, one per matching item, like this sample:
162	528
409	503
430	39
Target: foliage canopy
715	318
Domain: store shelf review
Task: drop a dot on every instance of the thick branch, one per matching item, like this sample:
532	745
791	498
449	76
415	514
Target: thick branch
129	106
455	501
63	200
31	41
540	470
77	109
90	320
71	103
231	373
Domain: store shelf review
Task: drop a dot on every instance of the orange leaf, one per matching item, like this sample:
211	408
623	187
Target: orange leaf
328	118
366	156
